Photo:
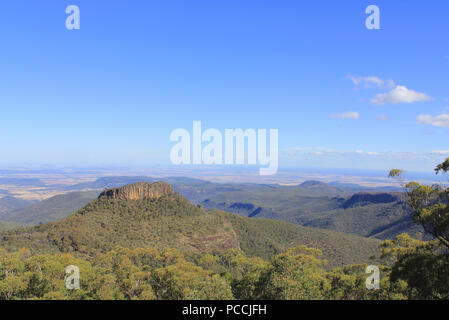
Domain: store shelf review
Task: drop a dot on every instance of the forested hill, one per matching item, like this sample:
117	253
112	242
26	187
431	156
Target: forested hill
48	210
153	215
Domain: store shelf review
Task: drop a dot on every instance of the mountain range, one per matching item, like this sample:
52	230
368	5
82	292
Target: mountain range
154	215
368	213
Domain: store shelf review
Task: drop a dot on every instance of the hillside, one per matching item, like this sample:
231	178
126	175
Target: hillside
8	225
382	221
267	237
361	199
9	203
382	215
48	210
163	219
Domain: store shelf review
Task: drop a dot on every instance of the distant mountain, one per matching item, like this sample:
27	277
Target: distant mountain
364	198
196	189
378	220
109	182
193	189
313	203
318	188
358	188
313	184
9	203
51	209
371	214
153	215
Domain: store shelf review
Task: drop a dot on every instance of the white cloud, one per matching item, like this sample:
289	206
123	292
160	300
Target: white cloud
441	120
371	81
347	115
400	94
397	94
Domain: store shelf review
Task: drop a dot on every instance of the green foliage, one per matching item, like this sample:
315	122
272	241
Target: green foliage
120	274
173	222
146	273
266	238
349	283
395	173
424	266
426	274
430	208
295	275
443	167
4	225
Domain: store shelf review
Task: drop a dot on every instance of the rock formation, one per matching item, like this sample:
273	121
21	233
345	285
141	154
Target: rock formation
138	191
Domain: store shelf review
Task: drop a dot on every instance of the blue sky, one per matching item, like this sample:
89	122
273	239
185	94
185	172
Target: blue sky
111	92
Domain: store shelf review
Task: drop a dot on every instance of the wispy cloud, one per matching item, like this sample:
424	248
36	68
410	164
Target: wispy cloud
384	155
442	152
347	115
364	159
441	120
400	94
368	153
371	81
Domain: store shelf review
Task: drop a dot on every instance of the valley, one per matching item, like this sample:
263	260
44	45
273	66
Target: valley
346	208
168	220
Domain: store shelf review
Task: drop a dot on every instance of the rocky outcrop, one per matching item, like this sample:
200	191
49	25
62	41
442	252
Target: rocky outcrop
138	191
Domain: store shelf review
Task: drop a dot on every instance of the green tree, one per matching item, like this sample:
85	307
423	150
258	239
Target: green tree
295	275
424	266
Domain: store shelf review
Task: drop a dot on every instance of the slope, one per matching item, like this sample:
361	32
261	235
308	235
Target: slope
51	209
166	219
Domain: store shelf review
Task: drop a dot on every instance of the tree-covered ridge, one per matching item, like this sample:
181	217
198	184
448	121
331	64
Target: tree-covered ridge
48	210
171	221
381	215
349	209
266	238
147	273
168	221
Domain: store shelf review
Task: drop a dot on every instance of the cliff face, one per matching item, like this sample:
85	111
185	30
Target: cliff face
138	191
